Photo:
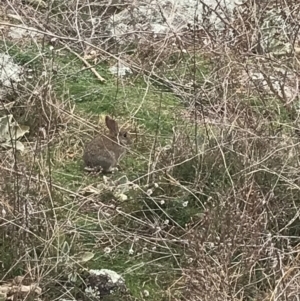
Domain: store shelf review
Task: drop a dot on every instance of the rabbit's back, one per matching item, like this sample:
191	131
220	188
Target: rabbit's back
102	152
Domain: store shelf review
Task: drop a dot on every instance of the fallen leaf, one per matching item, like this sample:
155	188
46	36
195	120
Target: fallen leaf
5	121
87	256
7	106
19	131
10	132
11	144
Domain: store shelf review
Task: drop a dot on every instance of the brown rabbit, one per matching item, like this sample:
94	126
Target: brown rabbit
104	152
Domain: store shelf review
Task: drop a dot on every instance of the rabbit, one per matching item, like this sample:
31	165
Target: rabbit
104	152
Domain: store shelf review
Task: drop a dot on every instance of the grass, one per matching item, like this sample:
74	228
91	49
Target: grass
194	213
154	113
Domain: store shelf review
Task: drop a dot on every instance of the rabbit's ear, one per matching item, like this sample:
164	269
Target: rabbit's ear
112	125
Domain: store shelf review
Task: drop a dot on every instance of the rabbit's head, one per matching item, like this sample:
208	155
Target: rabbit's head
121	136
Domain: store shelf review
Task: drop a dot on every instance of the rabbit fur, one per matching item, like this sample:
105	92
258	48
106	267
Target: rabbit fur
104	152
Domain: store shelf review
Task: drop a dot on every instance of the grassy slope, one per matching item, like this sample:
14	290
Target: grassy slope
153	112
247	178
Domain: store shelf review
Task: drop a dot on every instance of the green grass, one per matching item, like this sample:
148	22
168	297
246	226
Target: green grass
245	175
148	105
141	272
151	107
70	174
155	113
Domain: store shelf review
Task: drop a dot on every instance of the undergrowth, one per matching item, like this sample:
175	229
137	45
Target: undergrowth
204	205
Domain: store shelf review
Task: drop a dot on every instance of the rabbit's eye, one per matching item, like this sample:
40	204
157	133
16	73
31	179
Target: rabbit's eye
125	135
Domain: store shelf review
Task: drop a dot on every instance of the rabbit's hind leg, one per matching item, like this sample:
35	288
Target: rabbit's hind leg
95	171
111	169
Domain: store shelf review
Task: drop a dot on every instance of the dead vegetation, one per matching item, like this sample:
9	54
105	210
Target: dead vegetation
206	207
